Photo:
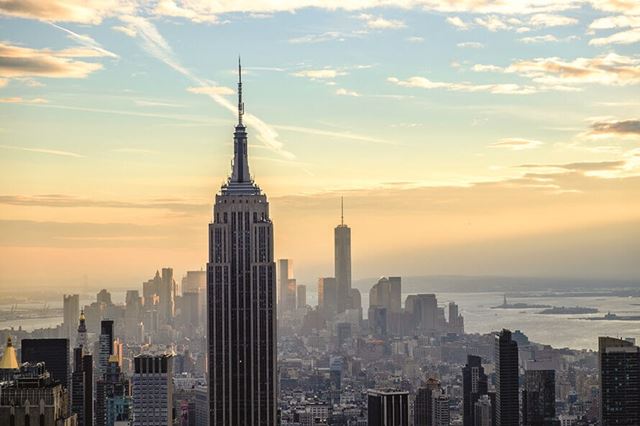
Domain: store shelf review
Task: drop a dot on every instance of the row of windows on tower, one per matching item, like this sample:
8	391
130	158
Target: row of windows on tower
225	217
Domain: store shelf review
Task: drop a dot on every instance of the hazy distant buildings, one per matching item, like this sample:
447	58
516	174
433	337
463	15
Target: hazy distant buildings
483	412
328	296
167	293
507	395
53	352
423	404
388	408
619	362
33	398
422	310
286	285
70	311
195	282
241	298
539	398
456	321
152	390
386	294
301	296
474	385
440	408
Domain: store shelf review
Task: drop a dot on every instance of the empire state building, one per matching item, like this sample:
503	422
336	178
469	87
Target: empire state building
241	309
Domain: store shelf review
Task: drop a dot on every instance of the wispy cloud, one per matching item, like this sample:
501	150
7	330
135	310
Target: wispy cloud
85	41
79	11
126	30
610	69
42	151
611	22
381	23
67	201
560	74
212	90
20	100
516	144
539	39
345	92
622	37
457	22
415	39
17	61
470	45
551	20
498	88
320	38
602	128
320	74
154	103
334	134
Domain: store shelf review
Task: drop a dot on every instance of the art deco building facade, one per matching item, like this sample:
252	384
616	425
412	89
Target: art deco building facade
33	397
241	290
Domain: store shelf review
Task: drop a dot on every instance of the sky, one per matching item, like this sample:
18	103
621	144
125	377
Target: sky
467	137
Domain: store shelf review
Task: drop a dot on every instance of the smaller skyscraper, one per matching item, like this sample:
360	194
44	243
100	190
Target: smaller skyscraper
328	296
153	390
105	346
82	387
388	408
286	285
423	312
301	296
113	397
81	339
167	294
539	398
342	262
423	405
71	309
619	382
483	412
507	395
440	408
54	353
474	384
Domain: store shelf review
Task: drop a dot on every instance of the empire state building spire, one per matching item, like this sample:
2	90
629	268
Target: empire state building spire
240	172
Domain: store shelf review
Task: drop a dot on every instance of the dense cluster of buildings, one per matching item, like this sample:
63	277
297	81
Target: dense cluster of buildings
214	350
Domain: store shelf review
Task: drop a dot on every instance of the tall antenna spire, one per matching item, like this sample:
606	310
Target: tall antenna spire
341	210
240	103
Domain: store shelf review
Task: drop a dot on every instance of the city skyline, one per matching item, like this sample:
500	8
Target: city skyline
511	126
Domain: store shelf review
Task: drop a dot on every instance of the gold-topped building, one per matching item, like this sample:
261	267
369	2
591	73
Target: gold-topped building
9	360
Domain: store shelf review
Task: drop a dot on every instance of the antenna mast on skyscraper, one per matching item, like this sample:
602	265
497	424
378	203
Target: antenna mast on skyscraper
240	103
341	210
